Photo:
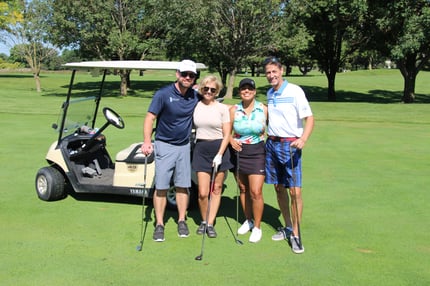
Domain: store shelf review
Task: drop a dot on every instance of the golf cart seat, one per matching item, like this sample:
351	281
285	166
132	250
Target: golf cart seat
133	155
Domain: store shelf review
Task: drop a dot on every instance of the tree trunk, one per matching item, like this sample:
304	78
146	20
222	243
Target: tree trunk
128	80
409	72
331	91
37	81
288	69
370	63
253	69
230	86
304	68
124	81
409	89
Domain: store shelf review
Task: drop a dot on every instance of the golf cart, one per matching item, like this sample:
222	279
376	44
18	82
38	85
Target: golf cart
79	158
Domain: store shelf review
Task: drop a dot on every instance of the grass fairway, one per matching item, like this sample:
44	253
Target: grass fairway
366	196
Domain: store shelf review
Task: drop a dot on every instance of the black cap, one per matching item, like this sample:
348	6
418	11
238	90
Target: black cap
247	81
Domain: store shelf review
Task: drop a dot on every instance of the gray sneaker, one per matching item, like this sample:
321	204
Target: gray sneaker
201	228
282	234
183	229
211	231
296	245
158	233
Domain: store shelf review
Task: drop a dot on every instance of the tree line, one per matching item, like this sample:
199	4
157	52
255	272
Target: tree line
227	35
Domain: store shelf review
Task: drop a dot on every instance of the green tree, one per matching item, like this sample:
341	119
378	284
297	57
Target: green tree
105	30
336	28
30	37
225	34
237	31
68	56
401	31
291	41
50	62
10	13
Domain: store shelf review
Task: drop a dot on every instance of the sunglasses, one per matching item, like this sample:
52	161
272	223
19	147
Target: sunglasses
271	60
206	89
247	87
189	74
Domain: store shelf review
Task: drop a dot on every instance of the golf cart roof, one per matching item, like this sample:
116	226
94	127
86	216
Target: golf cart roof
131	65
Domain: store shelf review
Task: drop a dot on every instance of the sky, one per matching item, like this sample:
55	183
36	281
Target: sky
4	49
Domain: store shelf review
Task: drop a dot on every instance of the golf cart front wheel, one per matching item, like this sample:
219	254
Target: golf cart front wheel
192	197
50	184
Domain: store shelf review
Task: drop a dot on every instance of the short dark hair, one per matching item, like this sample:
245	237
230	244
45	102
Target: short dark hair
272	60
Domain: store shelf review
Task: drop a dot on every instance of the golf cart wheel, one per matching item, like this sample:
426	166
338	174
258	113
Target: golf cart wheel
171	198
192	196
50	184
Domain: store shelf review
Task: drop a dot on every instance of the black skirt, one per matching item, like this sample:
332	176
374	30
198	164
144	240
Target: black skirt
204	154
252	159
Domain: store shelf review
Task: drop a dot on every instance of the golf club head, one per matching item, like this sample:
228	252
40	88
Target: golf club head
238	241
199	257
139	247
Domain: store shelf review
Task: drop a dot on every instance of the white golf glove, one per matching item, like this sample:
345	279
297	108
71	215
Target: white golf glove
217	161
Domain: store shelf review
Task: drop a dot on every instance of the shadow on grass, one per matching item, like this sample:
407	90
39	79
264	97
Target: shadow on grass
142	88
107	198
22	75
319	94
146	216
147	88
228	210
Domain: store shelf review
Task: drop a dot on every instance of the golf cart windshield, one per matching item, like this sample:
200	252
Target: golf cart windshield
80	112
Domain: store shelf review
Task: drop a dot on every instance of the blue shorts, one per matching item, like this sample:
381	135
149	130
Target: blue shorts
172	164
278	164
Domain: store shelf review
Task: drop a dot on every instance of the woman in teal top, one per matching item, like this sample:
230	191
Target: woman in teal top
249	118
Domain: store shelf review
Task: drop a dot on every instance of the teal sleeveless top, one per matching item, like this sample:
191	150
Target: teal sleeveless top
249	129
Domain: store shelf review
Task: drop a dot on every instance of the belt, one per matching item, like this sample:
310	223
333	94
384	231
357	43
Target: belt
281	139
207	140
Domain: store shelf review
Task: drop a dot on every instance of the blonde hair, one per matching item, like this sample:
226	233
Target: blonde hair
211	78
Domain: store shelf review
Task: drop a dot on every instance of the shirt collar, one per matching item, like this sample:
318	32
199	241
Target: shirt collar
271	92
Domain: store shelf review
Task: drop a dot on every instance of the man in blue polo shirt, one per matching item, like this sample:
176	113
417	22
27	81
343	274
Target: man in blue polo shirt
172	108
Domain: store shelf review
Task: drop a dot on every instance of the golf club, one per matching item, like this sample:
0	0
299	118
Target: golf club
238	241
139	246
212	186
295	198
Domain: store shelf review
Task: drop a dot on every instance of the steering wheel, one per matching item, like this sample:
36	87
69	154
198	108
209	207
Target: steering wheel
113	118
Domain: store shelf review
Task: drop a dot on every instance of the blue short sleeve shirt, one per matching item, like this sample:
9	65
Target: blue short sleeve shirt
174	113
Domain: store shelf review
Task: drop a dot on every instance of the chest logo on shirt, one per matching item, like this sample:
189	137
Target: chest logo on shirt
173	99
275	100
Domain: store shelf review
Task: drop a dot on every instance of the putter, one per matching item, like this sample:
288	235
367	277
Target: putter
212	186
238	241
139	246
295	198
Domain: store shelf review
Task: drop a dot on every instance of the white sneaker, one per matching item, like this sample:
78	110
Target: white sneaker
296	245
255	235
245	227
